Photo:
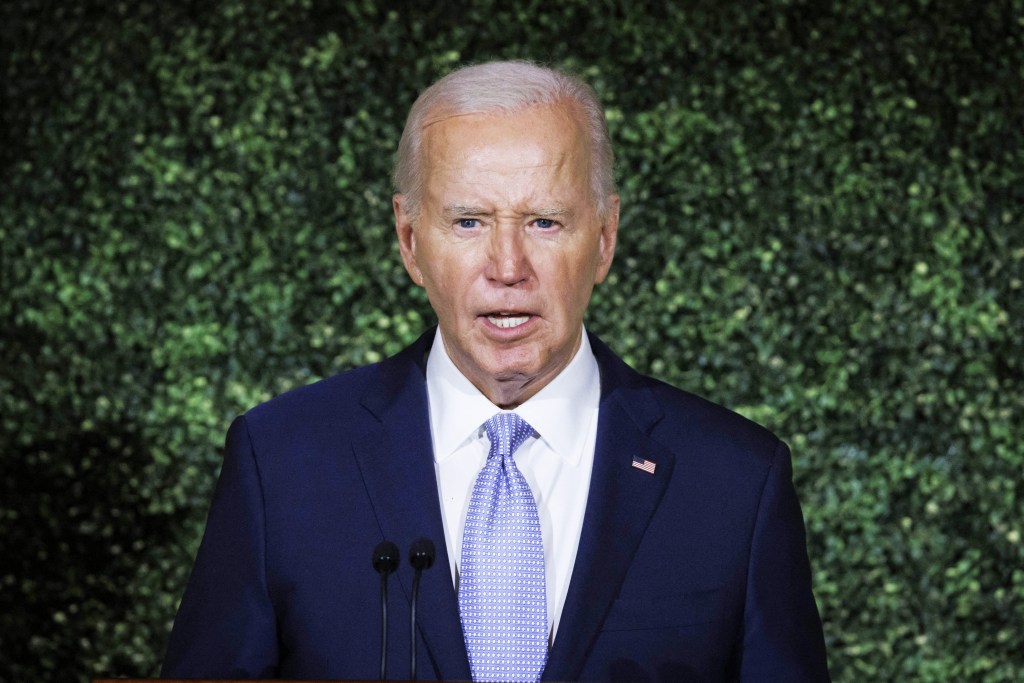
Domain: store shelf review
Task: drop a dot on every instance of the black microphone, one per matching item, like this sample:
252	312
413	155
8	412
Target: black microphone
385	561
421	556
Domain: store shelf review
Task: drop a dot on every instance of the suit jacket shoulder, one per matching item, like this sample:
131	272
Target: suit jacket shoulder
675	416
353	394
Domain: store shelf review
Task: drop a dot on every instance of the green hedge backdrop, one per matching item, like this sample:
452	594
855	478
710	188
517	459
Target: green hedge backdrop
823	227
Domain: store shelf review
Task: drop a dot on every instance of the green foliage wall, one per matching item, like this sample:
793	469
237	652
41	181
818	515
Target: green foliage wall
823	227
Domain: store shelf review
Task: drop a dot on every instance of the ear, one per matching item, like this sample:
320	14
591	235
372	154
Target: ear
609	235
406	237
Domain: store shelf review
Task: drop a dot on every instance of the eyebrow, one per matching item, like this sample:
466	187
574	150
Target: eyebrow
461	210
551	212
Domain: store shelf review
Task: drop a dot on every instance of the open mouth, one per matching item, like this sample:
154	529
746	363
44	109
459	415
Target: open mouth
507	321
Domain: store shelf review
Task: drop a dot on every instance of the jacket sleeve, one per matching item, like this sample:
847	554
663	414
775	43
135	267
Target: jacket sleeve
225	626
782	635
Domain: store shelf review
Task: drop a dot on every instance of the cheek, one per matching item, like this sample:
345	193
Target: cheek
446	288
575	278
432	266
450	262
569	297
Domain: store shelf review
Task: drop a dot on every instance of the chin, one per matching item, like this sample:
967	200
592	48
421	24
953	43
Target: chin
518	363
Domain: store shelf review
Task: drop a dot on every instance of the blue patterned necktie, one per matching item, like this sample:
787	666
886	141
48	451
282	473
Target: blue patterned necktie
502	597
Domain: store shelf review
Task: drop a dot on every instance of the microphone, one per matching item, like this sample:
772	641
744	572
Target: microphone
385	561
421	556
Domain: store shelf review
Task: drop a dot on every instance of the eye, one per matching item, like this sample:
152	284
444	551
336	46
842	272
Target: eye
544	223
468	223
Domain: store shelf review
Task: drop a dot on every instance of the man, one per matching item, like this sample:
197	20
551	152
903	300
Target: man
596	524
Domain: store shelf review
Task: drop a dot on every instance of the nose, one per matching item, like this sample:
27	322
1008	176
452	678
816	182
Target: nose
508	263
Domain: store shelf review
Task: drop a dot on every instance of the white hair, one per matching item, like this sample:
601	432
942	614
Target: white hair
503	88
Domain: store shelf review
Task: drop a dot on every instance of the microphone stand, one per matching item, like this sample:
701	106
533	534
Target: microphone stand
385	561
421	556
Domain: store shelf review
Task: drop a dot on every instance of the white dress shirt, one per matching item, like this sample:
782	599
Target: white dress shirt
556	465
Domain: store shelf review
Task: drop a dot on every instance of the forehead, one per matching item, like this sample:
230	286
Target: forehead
537	140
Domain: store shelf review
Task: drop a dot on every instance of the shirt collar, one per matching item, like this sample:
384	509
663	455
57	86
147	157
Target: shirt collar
557	412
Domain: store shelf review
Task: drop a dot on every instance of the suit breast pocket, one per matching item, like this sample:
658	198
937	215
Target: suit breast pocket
667	611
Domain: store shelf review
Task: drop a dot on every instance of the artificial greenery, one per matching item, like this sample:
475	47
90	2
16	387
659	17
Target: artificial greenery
822	227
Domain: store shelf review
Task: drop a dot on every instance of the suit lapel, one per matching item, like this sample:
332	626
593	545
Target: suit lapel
395	458
621	502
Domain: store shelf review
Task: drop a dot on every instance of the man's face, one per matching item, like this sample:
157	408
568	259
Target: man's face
508	244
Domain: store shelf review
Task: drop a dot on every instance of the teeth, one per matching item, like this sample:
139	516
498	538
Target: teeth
508	321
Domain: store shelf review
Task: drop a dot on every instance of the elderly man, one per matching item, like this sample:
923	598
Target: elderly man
596	524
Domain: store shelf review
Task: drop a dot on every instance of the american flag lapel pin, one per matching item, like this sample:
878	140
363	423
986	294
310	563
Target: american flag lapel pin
644	464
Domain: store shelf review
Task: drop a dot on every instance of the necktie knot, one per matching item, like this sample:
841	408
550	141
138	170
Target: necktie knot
507	432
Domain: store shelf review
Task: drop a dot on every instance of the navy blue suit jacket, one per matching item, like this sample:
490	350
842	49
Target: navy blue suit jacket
697	572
